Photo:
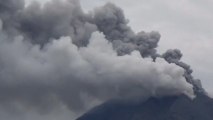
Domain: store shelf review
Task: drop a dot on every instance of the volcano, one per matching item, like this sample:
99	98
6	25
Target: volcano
165	108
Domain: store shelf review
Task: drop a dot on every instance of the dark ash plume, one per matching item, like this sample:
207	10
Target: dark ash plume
58	55
174	56
41	24
111	21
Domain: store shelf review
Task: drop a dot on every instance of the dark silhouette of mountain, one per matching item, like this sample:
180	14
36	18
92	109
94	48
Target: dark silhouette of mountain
166	108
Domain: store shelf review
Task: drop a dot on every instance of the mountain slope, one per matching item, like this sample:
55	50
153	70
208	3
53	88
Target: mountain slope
167	108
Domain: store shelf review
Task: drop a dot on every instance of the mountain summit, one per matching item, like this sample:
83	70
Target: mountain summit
165	108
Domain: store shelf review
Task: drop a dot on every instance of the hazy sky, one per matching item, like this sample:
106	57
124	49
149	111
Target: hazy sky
183	24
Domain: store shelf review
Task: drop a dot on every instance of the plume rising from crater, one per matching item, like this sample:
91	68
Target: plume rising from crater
57	54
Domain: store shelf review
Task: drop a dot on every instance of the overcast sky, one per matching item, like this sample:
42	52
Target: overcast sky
183	24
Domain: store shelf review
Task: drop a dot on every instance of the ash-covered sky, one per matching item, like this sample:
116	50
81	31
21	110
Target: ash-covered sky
61	60
184	24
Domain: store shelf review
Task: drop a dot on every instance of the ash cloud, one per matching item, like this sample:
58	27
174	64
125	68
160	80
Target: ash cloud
41	24
174	56
58	55
61	71
111	21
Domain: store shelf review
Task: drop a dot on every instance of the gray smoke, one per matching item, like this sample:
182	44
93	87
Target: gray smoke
57	18
174	56
41	24
57	55
111	21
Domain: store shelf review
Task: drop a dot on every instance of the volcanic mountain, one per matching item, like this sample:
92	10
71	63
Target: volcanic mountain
165	108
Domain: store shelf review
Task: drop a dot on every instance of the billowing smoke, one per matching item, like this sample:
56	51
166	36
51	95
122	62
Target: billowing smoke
111	21
174	56
56	54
